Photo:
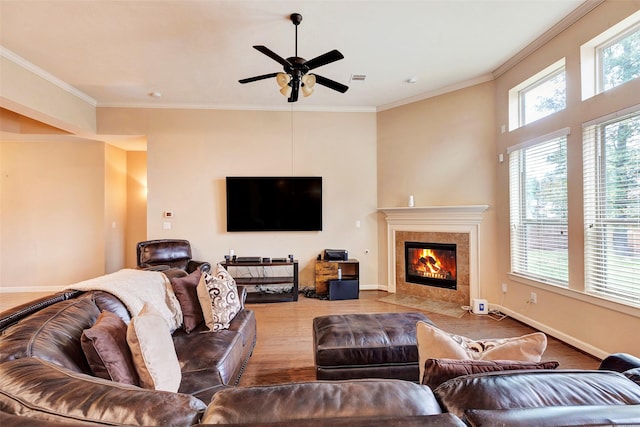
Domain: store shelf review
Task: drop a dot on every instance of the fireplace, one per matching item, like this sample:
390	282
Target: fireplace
431	264
457	225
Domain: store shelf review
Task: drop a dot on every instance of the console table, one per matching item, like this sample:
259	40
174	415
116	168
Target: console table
334	270
275	281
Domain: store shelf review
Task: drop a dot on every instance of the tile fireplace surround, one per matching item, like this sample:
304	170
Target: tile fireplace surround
436	224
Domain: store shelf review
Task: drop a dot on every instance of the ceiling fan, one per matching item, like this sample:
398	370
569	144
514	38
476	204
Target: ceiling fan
296	76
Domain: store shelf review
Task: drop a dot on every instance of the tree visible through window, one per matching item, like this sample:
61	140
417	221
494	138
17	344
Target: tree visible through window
620	60
538	192
544	97
612	209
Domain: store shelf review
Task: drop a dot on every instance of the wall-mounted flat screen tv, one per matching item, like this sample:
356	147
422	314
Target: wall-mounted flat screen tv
274	203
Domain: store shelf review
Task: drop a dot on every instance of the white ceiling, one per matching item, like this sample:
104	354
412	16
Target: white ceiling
194	51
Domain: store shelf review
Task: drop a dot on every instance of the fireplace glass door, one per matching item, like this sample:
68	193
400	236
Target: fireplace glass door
431	264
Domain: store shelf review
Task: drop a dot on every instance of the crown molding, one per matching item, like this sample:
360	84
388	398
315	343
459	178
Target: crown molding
548	35
437	92
284	107
17	59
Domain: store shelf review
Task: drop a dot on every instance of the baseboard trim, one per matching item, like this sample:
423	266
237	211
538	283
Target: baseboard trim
372	288
568	339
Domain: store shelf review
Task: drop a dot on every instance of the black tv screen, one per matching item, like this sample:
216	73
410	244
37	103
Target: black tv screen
274	203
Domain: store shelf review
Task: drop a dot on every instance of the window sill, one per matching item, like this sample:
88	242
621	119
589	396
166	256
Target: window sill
578	295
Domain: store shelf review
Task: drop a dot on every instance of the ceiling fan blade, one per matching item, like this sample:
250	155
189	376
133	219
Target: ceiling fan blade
331	84
256	78
271	54
324	59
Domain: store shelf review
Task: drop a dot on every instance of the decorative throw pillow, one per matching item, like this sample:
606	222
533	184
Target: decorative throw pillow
185	290
218	295
434	343
105	347
154	355
437	371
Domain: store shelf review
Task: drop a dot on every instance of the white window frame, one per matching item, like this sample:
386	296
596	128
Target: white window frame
590	61
520	224
516	116
610	277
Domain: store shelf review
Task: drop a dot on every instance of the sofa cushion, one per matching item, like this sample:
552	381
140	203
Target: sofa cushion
592	415
434	343
185	290
437	371
340	399
154	355
437	420
109	302
536	388
105	346
218	296
47	392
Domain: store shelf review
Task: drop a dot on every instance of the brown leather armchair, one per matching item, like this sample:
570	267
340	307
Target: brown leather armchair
163	254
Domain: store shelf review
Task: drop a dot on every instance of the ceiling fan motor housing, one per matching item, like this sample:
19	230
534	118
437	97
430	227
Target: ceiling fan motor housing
296	18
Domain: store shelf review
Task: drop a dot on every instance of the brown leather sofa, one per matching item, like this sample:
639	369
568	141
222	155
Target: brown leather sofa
164	254
45	380
45	376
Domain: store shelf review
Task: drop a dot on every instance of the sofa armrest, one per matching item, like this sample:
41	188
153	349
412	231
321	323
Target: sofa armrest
13	315
242	295
35	388
204	266
619	362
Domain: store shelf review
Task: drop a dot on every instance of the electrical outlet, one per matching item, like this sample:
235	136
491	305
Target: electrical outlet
533	299
504	288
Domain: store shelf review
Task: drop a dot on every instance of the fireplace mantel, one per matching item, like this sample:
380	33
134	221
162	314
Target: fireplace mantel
448	219
462	213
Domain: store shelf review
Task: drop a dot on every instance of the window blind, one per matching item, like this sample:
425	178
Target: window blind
611	156
538	210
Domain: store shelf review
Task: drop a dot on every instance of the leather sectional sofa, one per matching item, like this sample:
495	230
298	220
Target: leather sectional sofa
44	373
45	380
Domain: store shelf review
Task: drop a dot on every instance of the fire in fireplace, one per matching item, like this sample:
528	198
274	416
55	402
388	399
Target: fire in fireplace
431	264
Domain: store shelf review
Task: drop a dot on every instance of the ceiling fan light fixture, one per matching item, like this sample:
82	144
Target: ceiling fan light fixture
283	79
308	82
286	91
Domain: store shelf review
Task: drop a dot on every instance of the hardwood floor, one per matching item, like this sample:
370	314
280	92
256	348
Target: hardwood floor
284	348
13	299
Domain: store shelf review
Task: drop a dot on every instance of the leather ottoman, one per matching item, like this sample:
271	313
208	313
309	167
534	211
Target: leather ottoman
380	345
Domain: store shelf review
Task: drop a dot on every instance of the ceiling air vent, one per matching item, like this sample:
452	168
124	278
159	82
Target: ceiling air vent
357	78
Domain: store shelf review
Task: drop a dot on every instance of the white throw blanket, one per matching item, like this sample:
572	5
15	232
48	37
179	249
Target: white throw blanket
135	288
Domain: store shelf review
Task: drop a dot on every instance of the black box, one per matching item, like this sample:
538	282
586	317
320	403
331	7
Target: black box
343	289
336	255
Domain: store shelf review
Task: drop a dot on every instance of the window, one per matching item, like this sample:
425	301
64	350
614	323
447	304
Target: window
612	58
539	96
611	151
543	98
619	60
538	206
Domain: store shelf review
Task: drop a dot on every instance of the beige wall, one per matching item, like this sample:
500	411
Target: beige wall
115	216
584	321
441	151
190	152
53	210
136	204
